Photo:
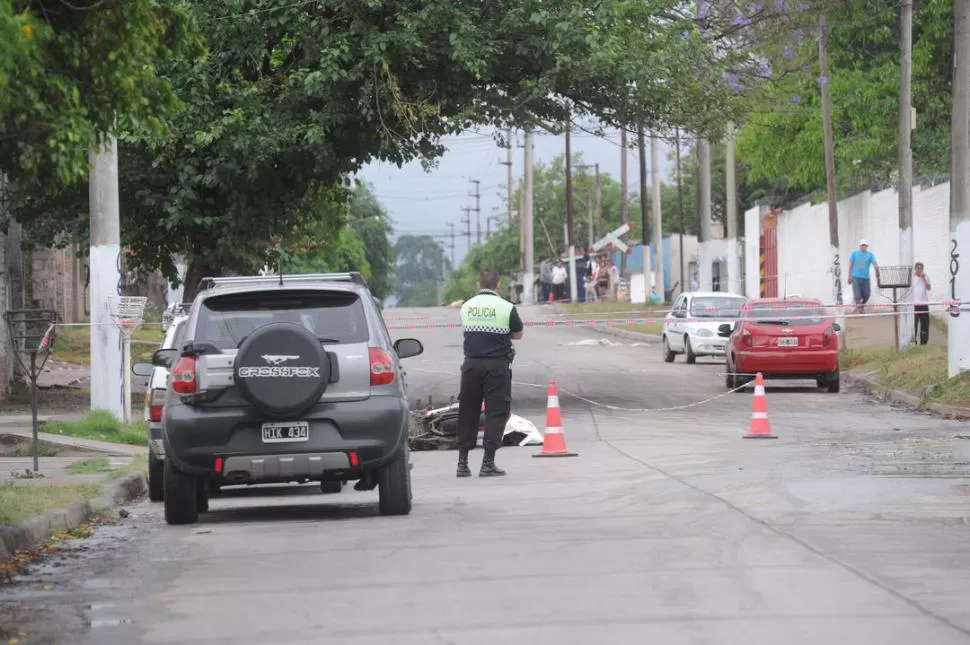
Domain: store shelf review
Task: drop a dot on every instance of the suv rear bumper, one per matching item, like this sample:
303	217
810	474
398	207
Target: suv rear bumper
196	438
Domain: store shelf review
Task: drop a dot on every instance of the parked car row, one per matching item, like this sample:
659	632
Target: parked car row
782	338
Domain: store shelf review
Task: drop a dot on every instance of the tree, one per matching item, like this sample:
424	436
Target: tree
782	136
72	72
371	224
295	97
421	267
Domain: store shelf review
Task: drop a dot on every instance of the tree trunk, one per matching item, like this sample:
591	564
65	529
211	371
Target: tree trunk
194	275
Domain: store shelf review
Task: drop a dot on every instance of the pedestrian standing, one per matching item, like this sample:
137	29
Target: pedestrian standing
920	297
861	260
490	324
559	277
545	278
614	274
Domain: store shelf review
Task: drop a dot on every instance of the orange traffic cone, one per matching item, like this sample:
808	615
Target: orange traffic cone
760	426
554	441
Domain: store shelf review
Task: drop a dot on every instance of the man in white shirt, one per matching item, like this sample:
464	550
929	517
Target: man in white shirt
919	295
559	277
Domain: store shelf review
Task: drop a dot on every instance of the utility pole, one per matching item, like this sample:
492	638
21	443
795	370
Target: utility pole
644	211
705	270
823	57
508	164
478	207
571	250
958	334
107	382
467	221
731	206
451	245
624	207
680	210
658	235
904	327
528	296
599	204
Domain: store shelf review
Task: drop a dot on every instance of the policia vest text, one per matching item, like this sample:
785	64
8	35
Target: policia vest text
487	321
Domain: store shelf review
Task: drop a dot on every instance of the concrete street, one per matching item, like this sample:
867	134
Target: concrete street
852	527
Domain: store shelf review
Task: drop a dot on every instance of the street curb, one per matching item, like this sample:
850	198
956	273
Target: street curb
872	387
628	335
34	531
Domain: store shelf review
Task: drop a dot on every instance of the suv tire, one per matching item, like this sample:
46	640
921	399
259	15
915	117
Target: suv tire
667	352
181	496
156	478
394	485
834	382
691	356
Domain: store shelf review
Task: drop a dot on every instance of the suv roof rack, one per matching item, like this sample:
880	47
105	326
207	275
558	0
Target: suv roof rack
349	276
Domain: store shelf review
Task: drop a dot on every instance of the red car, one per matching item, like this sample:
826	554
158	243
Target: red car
783	338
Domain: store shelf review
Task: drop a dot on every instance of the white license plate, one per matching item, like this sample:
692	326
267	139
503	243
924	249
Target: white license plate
286	432
787	342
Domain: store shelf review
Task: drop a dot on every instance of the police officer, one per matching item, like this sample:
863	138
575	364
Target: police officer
490	324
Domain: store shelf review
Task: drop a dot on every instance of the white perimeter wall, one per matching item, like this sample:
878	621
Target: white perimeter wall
804	265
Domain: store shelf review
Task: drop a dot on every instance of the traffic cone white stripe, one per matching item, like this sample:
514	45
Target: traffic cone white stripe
553	401
759	415
759	390
553	430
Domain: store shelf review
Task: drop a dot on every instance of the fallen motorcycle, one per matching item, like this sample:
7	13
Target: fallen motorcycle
436	429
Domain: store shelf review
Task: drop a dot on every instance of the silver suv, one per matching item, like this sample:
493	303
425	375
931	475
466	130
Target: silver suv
285	379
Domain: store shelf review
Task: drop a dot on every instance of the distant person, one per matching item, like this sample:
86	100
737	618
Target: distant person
861	260
559	278
614	280
919	295
545	278
591	280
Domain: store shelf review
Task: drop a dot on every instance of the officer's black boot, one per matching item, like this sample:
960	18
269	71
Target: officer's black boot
489	469
463	469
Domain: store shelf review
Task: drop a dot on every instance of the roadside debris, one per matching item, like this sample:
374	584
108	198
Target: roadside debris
436	429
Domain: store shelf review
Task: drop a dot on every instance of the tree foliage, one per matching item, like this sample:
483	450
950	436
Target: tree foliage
421	266
295	97
71	72
782	136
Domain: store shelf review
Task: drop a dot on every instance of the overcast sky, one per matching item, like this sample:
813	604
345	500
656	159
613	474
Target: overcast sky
423	203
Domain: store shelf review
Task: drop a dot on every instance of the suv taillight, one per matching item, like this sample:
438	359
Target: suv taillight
746	338
155	405
381	367
183	376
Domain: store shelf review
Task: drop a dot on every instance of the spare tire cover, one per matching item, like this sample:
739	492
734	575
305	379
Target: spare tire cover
281	369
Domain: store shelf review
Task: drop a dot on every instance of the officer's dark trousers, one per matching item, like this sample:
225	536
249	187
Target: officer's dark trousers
488	379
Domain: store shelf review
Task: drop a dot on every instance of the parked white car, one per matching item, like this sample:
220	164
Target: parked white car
690	326
155	404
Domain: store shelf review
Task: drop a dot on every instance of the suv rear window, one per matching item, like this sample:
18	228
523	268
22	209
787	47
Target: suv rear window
337	317
796	314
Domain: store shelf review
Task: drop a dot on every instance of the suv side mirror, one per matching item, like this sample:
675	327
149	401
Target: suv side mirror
142	369
408	347
680	313
836	327
165	357
725	329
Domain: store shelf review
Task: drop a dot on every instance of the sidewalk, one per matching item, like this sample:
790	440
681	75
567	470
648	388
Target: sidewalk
879	331
19	425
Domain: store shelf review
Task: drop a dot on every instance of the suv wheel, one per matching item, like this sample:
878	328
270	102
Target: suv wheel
181	496
394	486
331	486
156	478
691	356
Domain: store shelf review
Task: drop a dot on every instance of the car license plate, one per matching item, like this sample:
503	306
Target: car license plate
286	432
787	342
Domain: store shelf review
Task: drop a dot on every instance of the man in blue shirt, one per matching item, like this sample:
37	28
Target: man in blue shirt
860	261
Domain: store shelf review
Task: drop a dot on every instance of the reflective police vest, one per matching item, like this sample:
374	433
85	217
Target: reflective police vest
485	322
